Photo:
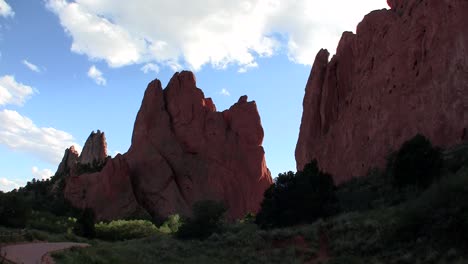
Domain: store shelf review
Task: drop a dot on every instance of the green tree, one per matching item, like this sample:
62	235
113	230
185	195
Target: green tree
207	219
85	224
14	211
416	163
296	198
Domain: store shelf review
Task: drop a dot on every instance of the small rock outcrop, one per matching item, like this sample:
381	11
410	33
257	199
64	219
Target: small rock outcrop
95	149
93	180
182	151
404	72
69	160
108	192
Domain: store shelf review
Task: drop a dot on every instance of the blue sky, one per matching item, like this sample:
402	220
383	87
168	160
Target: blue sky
70	67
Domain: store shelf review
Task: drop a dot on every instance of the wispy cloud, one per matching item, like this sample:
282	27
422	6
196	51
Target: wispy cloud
96	75
13	92
150	67
19	133
7	185
43	174
225	92
5	9
31	66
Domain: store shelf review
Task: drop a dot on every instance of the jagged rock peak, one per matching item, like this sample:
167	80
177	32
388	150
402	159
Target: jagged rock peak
70	157
95	148
182	151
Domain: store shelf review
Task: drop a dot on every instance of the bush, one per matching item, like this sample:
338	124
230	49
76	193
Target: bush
96	166
48	222
416	163
125	229
207	219
440	214
171	225
14	211
84	226
298	198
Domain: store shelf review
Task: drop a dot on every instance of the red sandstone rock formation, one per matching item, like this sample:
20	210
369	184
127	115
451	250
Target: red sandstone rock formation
108	192
95	148
68	162
405	71
182	151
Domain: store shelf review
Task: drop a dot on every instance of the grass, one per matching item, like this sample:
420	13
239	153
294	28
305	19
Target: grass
240	243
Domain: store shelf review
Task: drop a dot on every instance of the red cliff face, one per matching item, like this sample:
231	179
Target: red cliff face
405	71
182	151
108	192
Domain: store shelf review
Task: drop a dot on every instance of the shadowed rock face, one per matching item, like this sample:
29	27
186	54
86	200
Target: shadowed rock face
182	151
68	162
404	72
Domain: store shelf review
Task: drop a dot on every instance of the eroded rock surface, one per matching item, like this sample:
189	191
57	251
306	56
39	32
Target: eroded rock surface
95	149
108	192
405	71
183	151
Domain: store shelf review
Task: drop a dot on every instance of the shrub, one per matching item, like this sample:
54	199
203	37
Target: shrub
14	211
171	225
416	163
125	229
96	166
298	198
51	223
84	226
207	219
440	214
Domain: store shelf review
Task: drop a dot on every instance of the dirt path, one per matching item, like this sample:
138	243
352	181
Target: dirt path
32	253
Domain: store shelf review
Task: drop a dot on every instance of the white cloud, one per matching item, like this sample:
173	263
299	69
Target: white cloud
245	68
96	75
12	92
20	133
150	67
225	92
30	65
7	185
43	174
5	9
216	32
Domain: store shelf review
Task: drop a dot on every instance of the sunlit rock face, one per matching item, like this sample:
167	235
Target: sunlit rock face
405	71
95	148
182	151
